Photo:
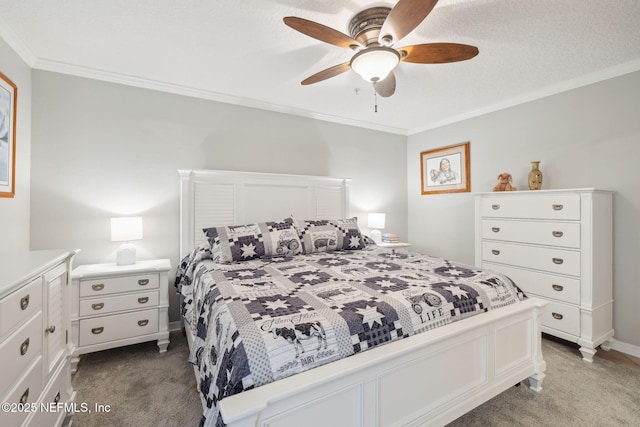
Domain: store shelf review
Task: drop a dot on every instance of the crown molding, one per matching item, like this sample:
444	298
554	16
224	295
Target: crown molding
585	80
123	79
16	43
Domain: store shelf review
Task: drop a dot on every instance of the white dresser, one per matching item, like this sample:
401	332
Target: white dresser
557	245
35	379
116	305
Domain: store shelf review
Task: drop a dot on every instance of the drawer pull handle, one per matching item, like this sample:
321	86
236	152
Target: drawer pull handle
97	331
558	288
24	347
495	251
24	302
557	316
557	260
557	233
557	207
97	306
143	282
495	229
57	398
143	300
25	396
51	329
144	322
97	287
495	207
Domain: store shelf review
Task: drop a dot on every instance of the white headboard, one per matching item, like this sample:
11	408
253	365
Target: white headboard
210	198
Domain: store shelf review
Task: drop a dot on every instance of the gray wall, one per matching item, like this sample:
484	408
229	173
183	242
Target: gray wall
588	137
102	150
14	212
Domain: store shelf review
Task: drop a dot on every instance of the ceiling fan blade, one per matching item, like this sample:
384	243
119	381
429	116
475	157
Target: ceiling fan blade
327	74
322	32
404	18
386	87
437	53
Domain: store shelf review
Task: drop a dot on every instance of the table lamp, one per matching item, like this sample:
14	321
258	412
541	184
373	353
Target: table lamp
375	221
126	229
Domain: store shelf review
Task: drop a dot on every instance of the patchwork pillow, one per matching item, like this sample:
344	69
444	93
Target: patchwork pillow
251	241
330	235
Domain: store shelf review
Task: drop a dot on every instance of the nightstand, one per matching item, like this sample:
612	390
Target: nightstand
399	246
117	305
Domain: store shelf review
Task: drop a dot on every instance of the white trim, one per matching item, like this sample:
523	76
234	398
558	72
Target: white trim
626	348
584	80
107	76
75	70
16	43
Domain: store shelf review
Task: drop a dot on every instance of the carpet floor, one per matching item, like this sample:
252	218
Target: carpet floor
145	388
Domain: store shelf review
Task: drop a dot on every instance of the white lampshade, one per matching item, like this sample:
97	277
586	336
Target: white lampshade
126	229
375	63
375	221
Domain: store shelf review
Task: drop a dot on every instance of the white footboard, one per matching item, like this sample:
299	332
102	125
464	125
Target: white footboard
428	379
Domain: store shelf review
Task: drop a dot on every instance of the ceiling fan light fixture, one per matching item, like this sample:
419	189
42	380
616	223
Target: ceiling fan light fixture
374	64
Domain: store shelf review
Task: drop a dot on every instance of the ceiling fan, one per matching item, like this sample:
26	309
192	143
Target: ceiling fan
373	32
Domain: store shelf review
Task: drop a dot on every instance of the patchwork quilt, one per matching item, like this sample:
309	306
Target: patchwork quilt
265	319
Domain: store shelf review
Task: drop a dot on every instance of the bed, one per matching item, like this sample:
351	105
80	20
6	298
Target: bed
432	352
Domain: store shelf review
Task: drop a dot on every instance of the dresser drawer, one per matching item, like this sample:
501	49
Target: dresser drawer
118	326
561	288
564	234
560	261
562	317
19	350
561	206
112	285
111	304
57	392
27	391
15	308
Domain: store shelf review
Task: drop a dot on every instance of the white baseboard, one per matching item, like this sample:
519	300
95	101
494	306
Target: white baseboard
175	326
622	347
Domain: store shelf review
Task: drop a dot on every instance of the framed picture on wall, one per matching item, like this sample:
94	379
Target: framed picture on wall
8	98
445	170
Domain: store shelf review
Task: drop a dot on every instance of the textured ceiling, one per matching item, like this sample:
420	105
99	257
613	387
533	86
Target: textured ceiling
241	52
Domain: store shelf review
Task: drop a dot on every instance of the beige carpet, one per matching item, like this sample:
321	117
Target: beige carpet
146	388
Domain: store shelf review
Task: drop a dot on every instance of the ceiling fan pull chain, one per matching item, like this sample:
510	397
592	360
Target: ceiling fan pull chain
375	98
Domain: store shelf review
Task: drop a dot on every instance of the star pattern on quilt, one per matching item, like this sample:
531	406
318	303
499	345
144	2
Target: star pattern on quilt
370	316
454	271
382	266
386	284
248	250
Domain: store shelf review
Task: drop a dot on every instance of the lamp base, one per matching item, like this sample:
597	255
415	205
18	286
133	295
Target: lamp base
126	254
376	235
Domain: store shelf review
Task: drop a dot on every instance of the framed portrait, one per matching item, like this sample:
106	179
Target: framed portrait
445	170
8	98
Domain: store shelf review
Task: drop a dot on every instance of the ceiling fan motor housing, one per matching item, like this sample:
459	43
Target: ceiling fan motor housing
365	26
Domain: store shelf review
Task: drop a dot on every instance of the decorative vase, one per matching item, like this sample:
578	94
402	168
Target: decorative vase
535	177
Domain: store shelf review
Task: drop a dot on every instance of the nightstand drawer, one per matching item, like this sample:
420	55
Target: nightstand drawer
564	234
118	326
562	317
112	285
111	304
561	288
564	207
551	260
19	350
20	305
